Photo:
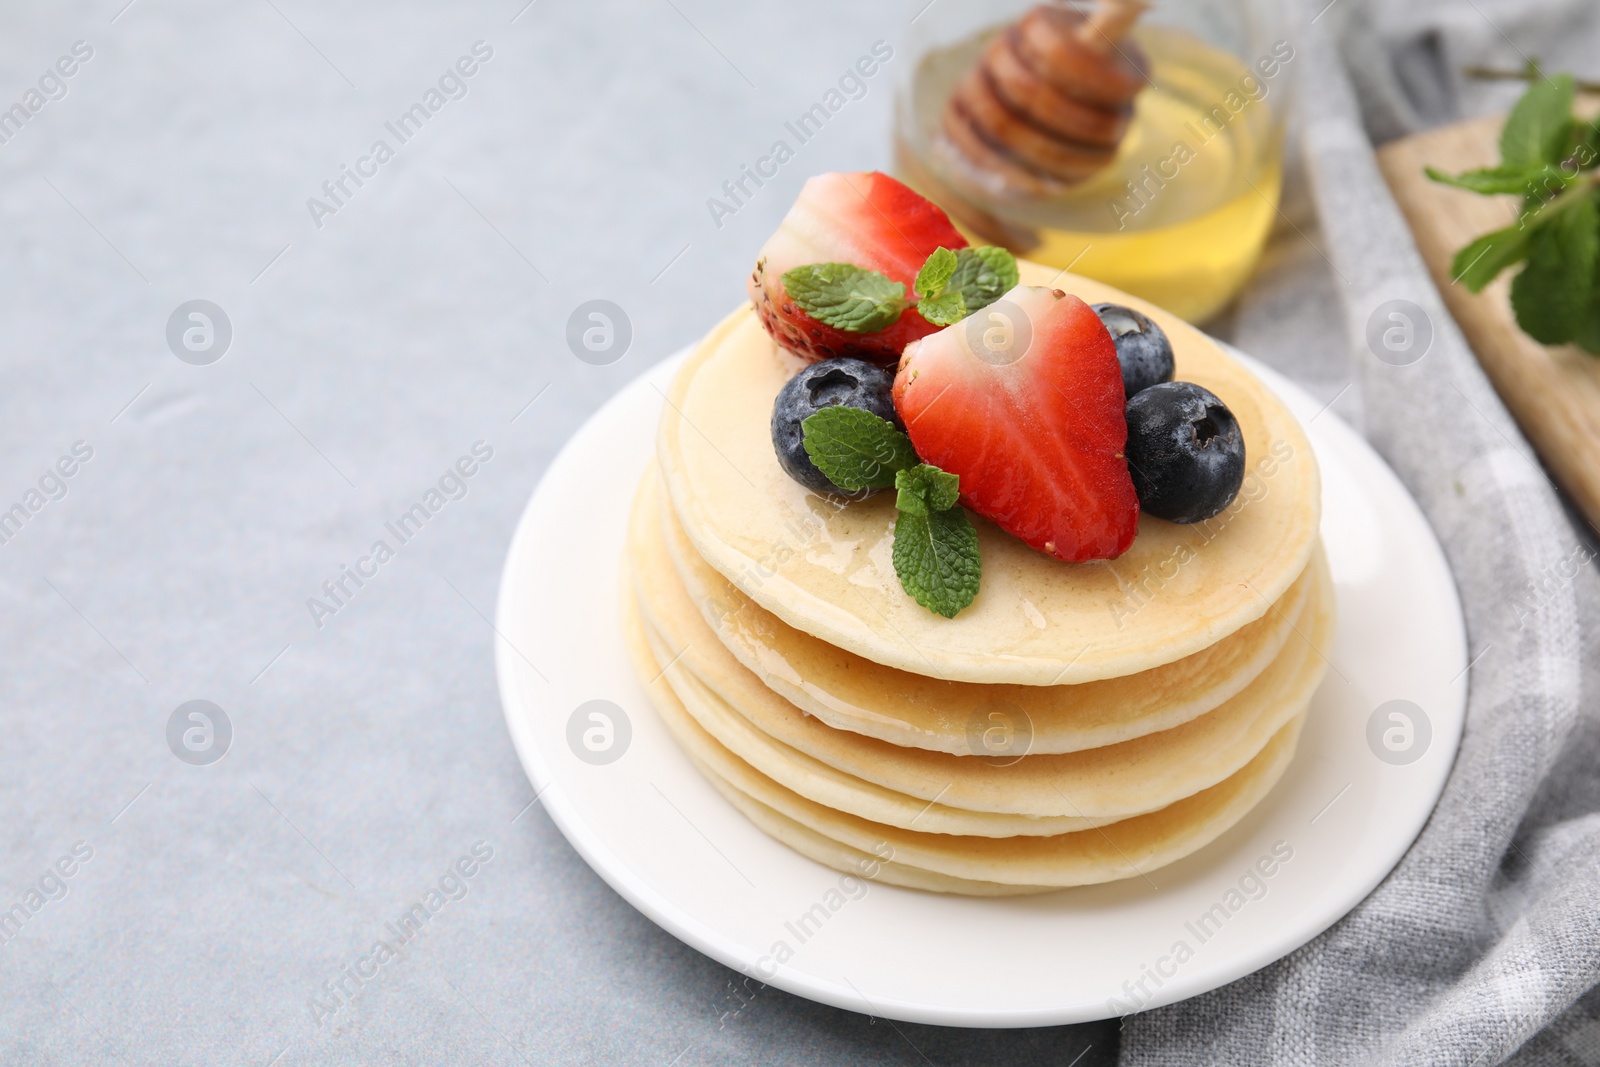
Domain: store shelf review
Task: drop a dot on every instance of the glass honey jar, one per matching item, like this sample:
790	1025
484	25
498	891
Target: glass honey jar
1151	161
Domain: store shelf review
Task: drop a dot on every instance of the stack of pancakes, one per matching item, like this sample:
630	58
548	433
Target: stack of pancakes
1078	723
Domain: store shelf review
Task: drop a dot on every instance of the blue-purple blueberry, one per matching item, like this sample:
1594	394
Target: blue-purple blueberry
1142	347
1185	451
843	381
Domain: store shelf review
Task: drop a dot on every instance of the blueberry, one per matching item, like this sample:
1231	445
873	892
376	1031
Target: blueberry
1142	347
1185	452
853	383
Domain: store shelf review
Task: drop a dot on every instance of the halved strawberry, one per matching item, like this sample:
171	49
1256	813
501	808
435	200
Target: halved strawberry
867	219
1023	400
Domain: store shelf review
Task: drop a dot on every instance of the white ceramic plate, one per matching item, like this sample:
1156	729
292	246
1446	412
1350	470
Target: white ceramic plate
662	837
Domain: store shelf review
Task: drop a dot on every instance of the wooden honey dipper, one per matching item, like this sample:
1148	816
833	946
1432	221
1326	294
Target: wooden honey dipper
1047	103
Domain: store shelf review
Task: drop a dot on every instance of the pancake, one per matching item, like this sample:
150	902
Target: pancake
816	780
1119	850
1125	849
807	842
851	693
1101	784
824	567
1113	781
840	857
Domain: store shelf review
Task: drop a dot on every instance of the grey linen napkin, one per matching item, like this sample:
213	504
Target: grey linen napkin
1487	934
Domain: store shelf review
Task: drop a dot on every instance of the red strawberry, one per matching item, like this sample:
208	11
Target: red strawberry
1035	430
870	220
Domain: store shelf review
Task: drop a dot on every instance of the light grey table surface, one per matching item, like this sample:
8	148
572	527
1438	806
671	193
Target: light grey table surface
367	355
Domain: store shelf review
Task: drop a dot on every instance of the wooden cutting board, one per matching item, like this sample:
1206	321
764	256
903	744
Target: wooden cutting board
1553	392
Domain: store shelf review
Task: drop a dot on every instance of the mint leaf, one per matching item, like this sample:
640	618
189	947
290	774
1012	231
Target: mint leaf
1539	128
937	558
935	547
1477	264
924	489
845	296
1548	156
1587	137
952	284
1506	178
855	449
943	309
983	275
935	273
1554	294
1587	335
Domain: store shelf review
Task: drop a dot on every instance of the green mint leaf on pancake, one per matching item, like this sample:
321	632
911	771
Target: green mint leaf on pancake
1539	128
1554	296
855	449
953	284
936	550
846	297
937	559
940	305
935	273
924	489
944	309
983	275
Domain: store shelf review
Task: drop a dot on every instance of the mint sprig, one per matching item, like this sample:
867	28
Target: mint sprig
855	449
846	297
924	489
1548	157
955	283
935	549
983	275
951	285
